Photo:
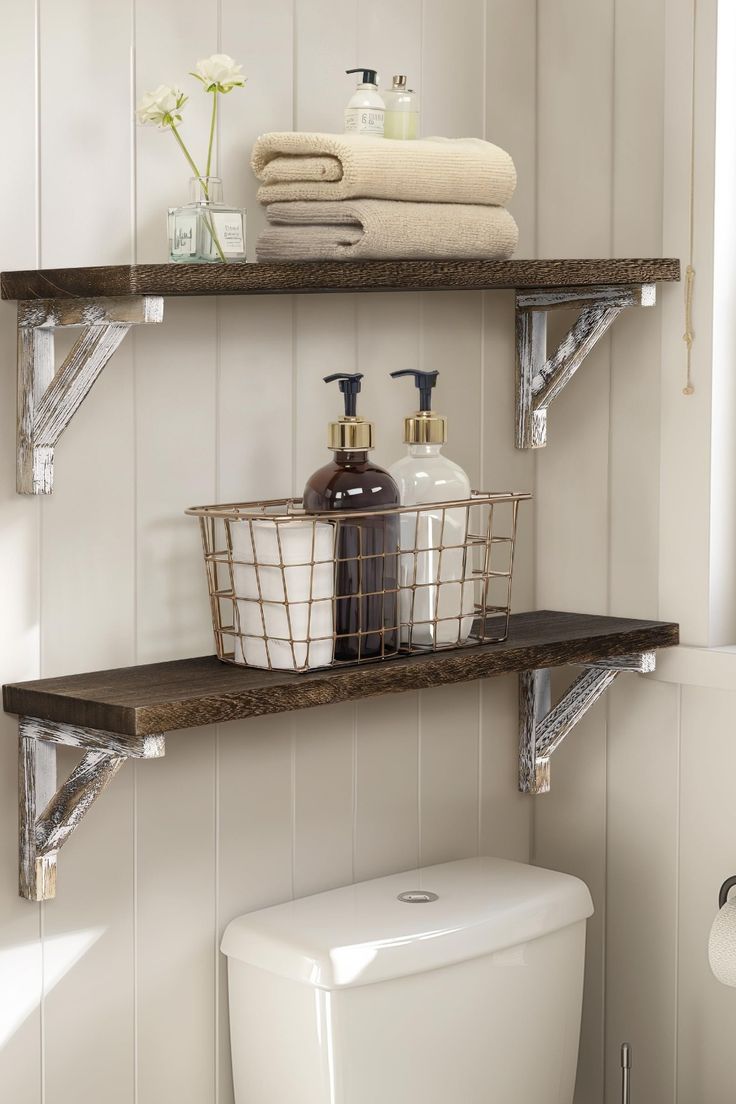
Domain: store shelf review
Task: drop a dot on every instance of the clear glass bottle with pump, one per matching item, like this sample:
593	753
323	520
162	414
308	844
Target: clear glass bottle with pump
206	230
402	111
436	597
366	551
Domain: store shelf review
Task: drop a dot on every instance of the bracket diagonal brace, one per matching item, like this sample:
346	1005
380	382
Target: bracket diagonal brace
47	402
539	378
47	813
543	727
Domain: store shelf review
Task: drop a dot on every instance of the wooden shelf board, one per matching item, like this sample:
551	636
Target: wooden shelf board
323	276
186	693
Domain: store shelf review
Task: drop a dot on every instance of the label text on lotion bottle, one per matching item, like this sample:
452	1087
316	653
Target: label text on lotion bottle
364	120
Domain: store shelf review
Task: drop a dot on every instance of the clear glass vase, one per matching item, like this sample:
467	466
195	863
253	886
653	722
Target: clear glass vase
206	230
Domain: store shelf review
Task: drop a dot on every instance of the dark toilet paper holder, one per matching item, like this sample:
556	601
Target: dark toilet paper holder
725	889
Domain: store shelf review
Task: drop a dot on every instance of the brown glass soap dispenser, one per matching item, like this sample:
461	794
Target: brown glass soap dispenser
366	549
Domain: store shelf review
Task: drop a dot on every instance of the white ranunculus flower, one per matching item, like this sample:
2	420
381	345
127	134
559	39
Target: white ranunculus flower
162	107
219	73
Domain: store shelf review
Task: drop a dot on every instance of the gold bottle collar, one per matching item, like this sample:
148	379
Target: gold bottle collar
425	428
350	434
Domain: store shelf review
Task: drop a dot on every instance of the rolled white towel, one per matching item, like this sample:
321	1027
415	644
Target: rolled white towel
296	166
378	228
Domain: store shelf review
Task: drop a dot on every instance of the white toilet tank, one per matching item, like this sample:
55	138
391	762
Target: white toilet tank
467	992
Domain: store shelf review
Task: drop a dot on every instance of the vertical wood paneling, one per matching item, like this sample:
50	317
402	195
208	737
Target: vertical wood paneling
326	36
574	219
706	1010
20	948
87	560
254	762
685	460
448	776
326	39
175	460
387	786
570	835
89	1009
226	400
254	866
452	93
324	771
176	464
510	107
643	726
505	467
175	922
84	68
641	922
574	193
254	399
510	121
255	412
505	814
636	337
260	37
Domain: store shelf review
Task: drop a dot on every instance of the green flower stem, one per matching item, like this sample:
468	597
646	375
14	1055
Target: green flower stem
213	124
209	224
188	156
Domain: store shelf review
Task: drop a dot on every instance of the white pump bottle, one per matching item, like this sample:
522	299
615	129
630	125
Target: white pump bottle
436	601
366	110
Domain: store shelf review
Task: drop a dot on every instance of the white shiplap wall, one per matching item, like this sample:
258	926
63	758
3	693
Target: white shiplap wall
116	991
123	996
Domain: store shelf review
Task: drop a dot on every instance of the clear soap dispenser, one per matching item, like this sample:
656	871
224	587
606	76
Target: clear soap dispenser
402	110
366	550
436	602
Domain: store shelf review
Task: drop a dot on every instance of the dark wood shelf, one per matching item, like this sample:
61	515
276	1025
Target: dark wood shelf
160	697
322	276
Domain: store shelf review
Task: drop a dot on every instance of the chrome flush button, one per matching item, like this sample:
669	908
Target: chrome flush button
417	897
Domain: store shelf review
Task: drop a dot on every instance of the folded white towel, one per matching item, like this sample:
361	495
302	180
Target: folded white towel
295	166
376	228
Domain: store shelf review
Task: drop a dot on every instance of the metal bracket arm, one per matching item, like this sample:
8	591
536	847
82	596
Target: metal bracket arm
542	728
540	378
47	402
48	813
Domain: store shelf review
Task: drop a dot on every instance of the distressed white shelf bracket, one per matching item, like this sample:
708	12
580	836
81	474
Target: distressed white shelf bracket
49	812
48	400
543	727
540	378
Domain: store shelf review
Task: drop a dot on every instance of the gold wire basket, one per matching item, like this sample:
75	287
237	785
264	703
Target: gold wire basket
291	590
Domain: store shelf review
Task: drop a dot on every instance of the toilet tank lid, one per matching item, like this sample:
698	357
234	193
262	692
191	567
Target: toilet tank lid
363	933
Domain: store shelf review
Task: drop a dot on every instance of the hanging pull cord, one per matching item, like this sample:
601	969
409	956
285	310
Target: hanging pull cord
688	337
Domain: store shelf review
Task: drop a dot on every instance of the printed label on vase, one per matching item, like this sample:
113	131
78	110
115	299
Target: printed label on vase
229	228
184	240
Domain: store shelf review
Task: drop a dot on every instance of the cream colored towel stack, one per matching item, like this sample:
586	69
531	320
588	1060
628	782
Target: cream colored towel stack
344	196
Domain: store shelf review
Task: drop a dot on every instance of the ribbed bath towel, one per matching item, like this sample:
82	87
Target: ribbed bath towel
295	166
377	228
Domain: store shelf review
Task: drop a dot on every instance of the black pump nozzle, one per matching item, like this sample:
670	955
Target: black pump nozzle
425	381
350	387
370	76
